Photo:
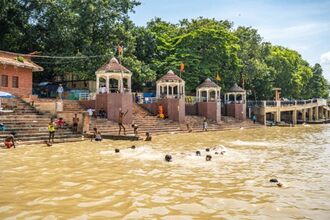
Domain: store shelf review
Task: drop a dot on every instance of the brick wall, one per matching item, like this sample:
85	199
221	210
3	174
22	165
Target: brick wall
24	80
237	111
210	110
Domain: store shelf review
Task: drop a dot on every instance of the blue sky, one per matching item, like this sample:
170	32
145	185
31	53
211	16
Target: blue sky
302	25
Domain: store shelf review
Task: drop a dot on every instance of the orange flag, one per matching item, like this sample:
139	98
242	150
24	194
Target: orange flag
181	67
120	50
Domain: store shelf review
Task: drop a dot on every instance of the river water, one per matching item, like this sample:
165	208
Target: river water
88	180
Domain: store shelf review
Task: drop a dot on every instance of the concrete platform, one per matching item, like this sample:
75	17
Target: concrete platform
116	137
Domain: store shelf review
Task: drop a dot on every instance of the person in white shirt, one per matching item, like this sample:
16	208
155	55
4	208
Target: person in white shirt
103	89
90	112
60	90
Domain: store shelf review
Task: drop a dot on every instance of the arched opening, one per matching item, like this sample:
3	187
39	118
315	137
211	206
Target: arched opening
203	96
125	83
239	98
231	98
175	90
113	87
212	96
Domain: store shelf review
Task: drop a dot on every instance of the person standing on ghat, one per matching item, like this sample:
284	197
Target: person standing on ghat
120	121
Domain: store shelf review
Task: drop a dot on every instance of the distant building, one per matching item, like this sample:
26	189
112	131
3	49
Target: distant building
16	73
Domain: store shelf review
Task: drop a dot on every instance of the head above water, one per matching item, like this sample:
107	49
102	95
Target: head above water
273	180
208	157
207	149
198	153
133	147
168	158
117	150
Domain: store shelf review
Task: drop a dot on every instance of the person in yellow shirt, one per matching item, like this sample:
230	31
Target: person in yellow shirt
51	130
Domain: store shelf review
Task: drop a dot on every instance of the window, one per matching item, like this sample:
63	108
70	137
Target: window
15	81
4	80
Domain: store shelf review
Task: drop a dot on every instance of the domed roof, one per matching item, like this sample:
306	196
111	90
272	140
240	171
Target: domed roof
236	88
208	84
113	66
170	76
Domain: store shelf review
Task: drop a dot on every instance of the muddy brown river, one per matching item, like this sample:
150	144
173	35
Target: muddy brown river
88	180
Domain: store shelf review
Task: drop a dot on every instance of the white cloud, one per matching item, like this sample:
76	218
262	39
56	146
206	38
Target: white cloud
293	32
325	58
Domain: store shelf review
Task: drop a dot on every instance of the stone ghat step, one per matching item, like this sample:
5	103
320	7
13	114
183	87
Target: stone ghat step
57	141
28	120
158	128
165	131
43	138
160	131
29	116
36	134
32	127
151	120
130	128
164	123
28	129
26	116
25	122
17	112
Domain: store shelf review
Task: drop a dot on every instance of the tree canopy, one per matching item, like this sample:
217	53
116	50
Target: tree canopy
90	30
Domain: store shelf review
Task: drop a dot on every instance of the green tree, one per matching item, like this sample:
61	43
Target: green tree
318	85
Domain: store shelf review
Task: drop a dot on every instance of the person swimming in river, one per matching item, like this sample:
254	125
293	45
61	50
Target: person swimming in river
120	121
10	141
148	137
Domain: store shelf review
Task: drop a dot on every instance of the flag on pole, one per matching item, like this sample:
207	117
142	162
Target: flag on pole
218	78
181	68
120	50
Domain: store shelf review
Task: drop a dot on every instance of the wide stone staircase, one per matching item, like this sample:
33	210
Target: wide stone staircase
30	125
145	121
155	125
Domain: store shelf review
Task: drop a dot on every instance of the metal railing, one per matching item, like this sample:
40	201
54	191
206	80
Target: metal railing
84	96
268	103
149	100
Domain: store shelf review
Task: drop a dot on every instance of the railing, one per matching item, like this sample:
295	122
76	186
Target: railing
267	103
114	90
149	100
255	103
83	96
235	102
